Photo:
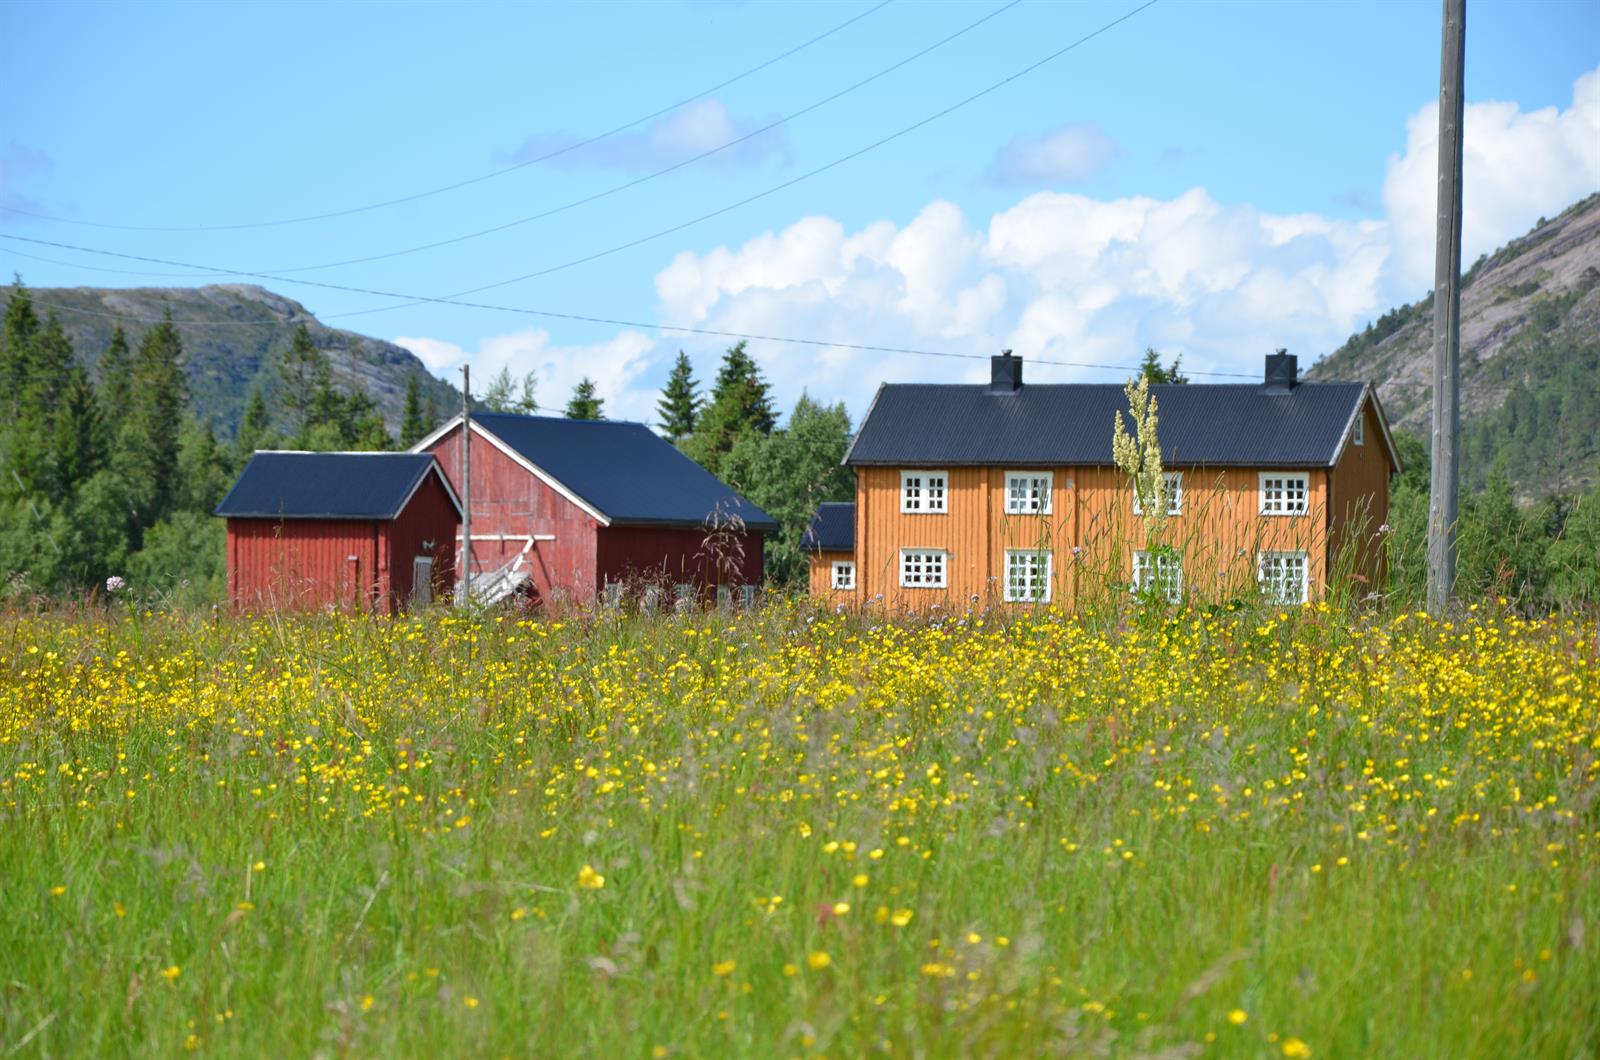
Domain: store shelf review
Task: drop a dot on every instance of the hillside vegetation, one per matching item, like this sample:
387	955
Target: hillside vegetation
791	833
1530	359
234	337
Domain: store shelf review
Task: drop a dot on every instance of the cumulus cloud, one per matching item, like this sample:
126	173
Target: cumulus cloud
1068	155
1517	165
687	132
615	365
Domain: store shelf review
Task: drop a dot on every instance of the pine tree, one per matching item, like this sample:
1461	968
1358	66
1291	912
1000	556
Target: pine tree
680	400
413	428
585	405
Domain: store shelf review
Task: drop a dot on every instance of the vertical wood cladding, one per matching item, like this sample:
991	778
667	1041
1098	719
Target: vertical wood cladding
1358	502
342	564
819	577
1090	531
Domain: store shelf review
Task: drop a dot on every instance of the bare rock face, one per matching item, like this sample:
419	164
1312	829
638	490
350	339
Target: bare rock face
233	337
1547	283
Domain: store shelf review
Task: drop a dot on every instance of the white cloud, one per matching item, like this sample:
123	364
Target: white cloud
615	365
1517	165
691	130
1068	155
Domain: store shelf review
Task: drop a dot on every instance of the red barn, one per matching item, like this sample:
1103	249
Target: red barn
340	531
564	508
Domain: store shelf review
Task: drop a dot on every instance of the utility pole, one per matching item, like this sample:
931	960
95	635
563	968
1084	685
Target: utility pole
1444	501
466	484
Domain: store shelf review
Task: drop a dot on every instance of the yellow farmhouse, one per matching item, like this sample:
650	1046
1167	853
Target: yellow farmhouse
969	495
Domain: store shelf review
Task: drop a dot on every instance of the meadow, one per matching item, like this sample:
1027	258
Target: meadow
793	833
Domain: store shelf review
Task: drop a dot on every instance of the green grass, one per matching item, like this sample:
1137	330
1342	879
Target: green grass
364	837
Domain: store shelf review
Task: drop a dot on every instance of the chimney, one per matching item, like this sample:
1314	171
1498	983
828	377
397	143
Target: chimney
1282	372
1005	373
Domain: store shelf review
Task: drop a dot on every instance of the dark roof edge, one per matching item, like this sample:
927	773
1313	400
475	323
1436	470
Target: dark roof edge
753	524
850	452
1172	465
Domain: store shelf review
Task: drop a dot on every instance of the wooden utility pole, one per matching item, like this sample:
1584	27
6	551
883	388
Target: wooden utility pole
1443	505
466	484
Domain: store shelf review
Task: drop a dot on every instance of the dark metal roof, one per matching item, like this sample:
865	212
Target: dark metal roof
625	471
290	485
1237	425
833	528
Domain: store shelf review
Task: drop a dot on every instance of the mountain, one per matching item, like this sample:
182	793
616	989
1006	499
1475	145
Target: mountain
233	336
1530	359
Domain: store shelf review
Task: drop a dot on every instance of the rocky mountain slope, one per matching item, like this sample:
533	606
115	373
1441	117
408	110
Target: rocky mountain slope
233	336
1530	358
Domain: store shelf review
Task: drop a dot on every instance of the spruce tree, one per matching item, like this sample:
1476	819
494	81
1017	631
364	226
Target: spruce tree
147	444
680	400
16	344
255	429
741	404
413	428
585	405
115	372
79	441
298	373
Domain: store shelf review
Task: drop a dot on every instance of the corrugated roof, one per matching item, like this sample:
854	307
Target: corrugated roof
293	485
833	528
1240	425
624	470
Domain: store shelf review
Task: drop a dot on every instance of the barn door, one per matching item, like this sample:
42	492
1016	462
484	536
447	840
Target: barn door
422	581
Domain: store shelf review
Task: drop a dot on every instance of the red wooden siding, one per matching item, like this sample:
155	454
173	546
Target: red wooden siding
672	555
508	499
342	564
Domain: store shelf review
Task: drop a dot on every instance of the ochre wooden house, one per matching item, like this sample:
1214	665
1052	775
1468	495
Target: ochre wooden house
970	495
339	531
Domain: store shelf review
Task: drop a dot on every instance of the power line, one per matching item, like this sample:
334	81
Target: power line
664	171
472	180
454	297
645	325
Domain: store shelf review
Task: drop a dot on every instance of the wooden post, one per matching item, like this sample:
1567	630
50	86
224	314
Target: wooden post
1443	505
465	555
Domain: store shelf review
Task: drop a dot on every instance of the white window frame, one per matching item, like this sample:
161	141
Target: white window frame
1281	504
924	498
1167	567
1035	493
933	568
843	576
1272	587
1174	495
1041	576
1358	433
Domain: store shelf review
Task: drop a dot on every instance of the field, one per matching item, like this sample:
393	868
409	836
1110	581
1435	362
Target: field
799	834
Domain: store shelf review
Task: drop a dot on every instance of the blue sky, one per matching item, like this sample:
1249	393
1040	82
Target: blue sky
1214	179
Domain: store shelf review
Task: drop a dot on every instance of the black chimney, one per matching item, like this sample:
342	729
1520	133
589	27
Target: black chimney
1005	373
1282	372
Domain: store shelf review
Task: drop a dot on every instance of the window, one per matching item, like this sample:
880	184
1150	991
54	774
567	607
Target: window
1174	495
1028	493
747	595
1285	493
422	580
844	574
923	492
1160	573
1027	575
922	568
1282	576
1358	435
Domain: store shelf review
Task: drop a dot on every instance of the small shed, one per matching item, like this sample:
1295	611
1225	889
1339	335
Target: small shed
572	509
344	531
831	541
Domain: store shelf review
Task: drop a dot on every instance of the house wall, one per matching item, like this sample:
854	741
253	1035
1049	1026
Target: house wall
509	499
671	555
306	564
429	526
820	577
1219	533
1358	499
